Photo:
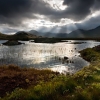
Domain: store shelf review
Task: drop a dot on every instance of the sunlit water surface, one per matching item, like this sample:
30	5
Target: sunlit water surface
42	55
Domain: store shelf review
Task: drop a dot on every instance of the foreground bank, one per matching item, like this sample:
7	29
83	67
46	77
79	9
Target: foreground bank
32	84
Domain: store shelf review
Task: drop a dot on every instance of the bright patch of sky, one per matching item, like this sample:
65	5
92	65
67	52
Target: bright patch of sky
56	4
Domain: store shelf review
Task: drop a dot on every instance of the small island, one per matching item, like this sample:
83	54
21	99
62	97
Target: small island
12	42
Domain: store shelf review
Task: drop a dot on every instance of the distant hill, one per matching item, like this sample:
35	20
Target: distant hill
24	35
77	34
39	34
93	33
47	34
21	35
34	32
80	33
3	36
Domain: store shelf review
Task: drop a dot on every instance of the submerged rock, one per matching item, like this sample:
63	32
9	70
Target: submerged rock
66	58
12	42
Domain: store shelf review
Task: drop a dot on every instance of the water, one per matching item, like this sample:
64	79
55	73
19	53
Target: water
42	55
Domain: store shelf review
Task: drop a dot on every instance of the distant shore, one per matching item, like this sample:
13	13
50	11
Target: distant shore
39	39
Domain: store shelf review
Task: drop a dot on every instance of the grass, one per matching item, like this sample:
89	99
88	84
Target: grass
47	85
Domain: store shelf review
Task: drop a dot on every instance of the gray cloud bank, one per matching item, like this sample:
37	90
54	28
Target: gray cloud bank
14	12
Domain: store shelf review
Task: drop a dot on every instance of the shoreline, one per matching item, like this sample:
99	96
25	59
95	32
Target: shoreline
51	40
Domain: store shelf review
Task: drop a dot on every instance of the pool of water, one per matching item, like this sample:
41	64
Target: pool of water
44	55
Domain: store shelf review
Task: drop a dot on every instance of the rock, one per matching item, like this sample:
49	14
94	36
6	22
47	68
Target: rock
12	42
66	58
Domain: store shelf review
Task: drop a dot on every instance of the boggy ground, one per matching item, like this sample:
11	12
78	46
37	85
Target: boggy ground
12	77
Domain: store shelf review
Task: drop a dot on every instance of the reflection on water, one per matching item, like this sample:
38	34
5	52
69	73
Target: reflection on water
39	55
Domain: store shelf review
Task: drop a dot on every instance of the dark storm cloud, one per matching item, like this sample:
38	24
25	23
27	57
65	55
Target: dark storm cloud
96	5
77	9
8	7
14	12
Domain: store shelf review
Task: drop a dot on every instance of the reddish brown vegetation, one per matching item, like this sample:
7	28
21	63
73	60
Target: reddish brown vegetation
12	77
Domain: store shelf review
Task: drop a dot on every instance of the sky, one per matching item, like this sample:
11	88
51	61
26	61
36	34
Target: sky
56	16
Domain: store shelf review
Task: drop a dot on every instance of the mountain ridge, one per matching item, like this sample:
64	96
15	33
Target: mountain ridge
21	35
79	33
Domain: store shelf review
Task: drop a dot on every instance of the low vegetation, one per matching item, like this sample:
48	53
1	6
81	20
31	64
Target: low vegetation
12	77
91	54
31	84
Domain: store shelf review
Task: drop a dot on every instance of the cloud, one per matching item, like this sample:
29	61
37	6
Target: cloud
96	5
9	30
11	11
15	12
78	9
91	22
